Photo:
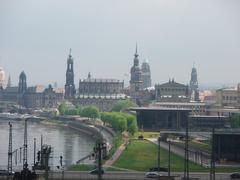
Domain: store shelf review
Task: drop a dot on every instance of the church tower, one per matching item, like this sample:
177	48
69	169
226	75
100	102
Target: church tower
194	85
146	75
70	90
22	87
136	74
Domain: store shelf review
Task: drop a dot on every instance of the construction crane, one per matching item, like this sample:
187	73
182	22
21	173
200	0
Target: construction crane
10	149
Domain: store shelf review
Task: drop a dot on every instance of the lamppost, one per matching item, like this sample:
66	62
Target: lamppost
158	158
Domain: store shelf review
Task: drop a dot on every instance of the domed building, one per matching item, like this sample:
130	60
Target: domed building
146	75
2	78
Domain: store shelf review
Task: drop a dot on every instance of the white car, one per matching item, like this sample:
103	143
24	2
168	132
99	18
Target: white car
152	174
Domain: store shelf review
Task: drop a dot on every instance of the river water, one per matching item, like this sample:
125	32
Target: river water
71	144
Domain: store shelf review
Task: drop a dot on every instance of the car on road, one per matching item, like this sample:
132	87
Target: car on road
235	175
5	173
95	171
152	174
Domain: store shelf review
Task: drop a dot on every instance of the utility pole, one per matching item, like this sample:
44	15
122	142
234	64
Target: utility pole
10	150
20	156
25	164
169	156
34	154
212	169
158	158
99	161
41	159
186	158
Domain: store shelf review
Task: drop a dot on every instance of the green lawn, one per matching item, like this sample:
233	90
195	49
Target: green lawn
147	134
81	167
142	155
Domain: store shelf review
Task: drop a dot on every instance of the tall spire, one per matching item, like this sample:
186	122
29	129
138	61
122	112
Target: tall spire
136	53
70	52
9	84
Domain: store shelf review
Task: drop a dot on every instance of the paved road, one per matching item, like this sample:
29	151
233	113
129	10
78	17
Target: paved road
123	175
130	175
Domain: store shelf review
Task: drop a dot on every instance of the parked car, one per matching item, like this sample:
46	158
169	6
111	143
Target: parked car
235	175
95	171
152	174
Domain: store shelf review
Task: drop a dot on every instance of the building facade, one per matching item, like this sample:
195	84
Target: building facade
31	97
172	92
102	93
2	78
228	97
100	87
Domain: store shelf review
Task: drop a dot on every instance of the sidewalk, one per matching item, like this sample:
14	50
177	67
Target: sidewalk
117	154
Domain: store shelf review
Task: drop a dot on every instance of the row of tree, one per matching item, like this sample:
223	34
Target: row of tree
120	121
117	119
86	111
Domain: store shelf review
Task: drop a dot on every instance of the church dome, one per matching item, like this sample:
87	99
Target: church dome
2	77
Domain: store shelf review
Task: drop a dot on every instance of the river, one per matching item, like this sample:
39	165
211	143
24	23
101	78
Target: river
71	144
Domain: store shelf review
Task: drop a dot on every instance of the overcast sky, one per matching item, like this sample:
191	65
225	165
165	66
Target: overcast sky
35	36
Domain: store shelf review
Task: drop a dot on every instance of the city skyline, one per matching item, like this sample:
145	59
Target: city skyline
103	39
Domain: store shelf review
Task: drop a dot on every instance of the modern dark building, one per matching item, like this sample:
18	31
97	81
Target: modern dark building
70	90
226	146
205	122
159	118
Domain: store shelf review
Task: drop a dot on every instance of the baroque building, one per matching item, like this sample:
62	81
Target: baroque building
70	90
102	93
31	97
172	92
146	75
228	97
100	87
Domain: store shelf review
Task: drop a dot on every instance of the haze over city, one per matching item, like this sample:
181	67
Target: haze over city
36	37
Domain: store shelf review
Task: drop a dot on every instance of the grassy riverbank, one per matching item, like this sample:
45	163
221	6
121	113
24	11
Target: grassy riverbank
141	155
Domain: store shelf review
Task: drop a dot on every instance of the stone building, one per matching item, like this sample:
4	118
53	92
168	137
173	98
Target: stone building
100	87
146	75
102	93
228	97
31	97
2	78
172	92
70	90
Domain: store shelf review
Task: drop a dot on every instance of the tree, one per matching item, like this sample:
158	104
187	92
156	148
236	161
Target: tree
62	108
121	105
90	112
